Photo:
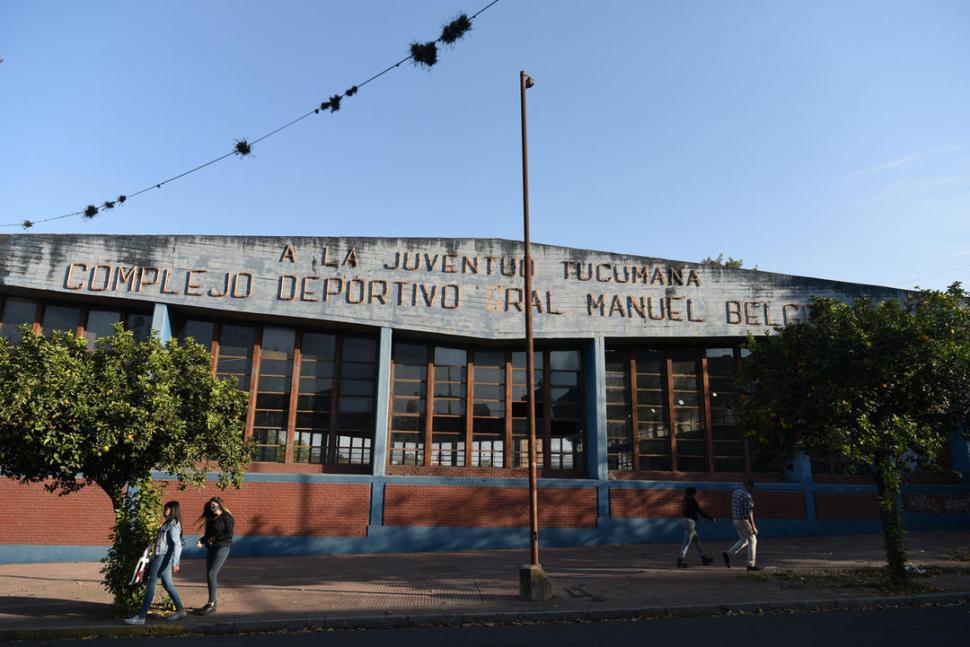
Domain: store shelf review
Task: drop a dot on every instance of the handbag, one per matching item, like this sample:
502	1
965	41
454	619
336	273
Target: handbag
140	568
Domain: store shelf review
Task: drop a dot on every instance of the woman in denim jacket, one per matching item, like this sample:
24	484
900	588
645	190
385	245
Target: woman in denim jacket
165	561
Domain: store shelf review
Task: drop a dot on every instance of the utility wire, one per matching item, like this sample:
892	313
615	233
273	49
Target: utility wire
422	54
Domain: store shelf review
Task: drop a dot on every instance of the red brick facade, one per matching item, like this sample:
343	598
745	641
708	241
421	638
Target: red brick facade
487	507
845	506
655	503
285	509
31	515
35	516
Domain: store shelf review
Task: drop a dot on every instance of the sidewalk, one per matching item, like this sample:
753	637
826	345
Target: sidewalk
595	582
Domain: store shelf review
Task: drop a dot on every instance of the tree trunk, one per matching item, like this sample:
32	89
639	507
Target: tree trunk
894	533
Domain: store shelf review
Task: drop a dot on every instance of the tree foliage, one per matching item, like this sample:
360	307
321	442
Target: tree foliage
70	417
136	524
882	384
728	264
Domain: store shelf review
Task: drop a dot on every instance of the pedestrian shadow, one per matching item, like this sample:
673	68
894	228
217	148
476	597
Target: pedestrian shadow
35	607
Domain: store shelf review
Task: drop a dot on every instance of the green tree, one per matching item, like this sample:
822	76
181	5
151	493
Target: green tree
70	418
882	384
729	264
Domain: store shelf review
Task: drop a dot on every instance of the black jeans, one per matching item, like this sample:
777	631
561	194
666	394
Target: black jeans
214	559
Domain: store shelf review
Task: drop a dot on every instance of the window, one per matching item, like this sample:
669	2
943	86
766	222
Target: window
690	434
15	312
357	389
488	409
89	323
479	407
314	392
270	421
64	318
409	404
100	324
683	404
318	358
520	408
566	406
619	416
448	421
202	332
726	438
652	425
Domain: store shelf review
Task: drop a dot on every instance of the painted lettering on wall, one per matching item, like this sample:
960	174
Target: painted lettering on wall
663	293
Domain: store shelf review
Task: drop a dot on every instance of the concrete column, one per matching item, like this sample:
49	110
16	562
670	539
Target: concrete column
594	367
960	453
161	322
799	470
383	404
376	503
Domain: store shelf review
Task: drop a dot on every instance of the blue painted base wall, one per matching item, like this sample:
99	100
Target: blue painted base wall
384	539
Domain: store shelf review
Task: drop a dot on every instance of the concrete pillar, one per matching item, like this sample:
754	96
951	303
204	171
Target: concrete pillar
594	367
799	470
161	322
960	453
383	404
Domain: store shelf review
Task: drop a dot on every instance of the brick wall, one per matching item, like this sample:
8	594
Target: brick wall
655	503
31	515
284	509
957	503
845	505
484	507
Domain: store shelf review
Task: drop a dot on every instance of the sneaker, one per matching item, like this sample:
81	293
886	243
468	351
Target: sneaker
727	559
135	620
178	615
754	568
682	564
707	561
210	607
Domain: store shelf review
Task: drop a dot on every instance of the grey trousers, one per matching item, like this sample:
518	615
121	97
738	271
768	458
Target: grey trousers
690	535
746	538
214	559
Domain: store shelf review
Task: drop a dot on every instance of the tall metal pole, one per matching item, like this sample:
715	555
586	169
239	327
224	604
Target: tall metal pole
525	81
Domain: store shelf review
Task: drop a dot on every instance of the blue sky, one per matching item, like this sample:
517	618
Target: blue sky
819	138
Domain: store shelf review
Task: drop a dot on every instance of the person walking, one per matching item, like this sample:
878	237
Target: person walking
742	513
164	562
691	509
217	539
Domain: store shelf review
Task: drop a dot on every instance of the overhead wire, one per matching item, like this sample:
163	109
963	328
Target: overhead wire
450	33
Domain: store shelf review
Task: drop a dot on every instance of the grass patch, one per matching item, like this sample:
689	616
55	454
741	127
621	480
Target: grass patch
961	554
873	578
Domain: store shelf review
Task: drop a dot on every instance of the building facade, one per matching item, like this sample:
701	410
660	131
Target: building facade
388	400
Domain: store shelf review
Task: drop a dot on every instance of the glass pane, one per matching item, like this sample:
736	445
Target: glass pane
64	318
318	346
140	325
200	331
16	312
236	341
449	356
100	323
356	349
564	360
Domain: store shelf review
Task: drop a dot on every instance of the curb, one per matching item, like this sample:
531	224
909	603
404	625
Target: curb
402	621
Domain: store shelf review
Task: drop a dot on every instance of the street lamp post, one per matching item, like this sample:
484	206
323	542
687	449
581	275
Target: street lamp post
533	582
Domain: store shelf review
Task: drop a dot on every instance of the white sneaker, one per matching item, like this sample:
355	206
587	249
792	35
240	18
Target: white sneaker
135	620
178	615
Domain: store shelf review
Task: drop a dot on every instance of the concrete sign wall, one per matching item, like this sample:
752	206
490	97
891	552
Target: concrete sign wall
469	287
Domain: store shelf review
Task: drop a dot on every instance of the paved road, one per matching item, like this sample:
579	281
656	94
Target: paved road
922	627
